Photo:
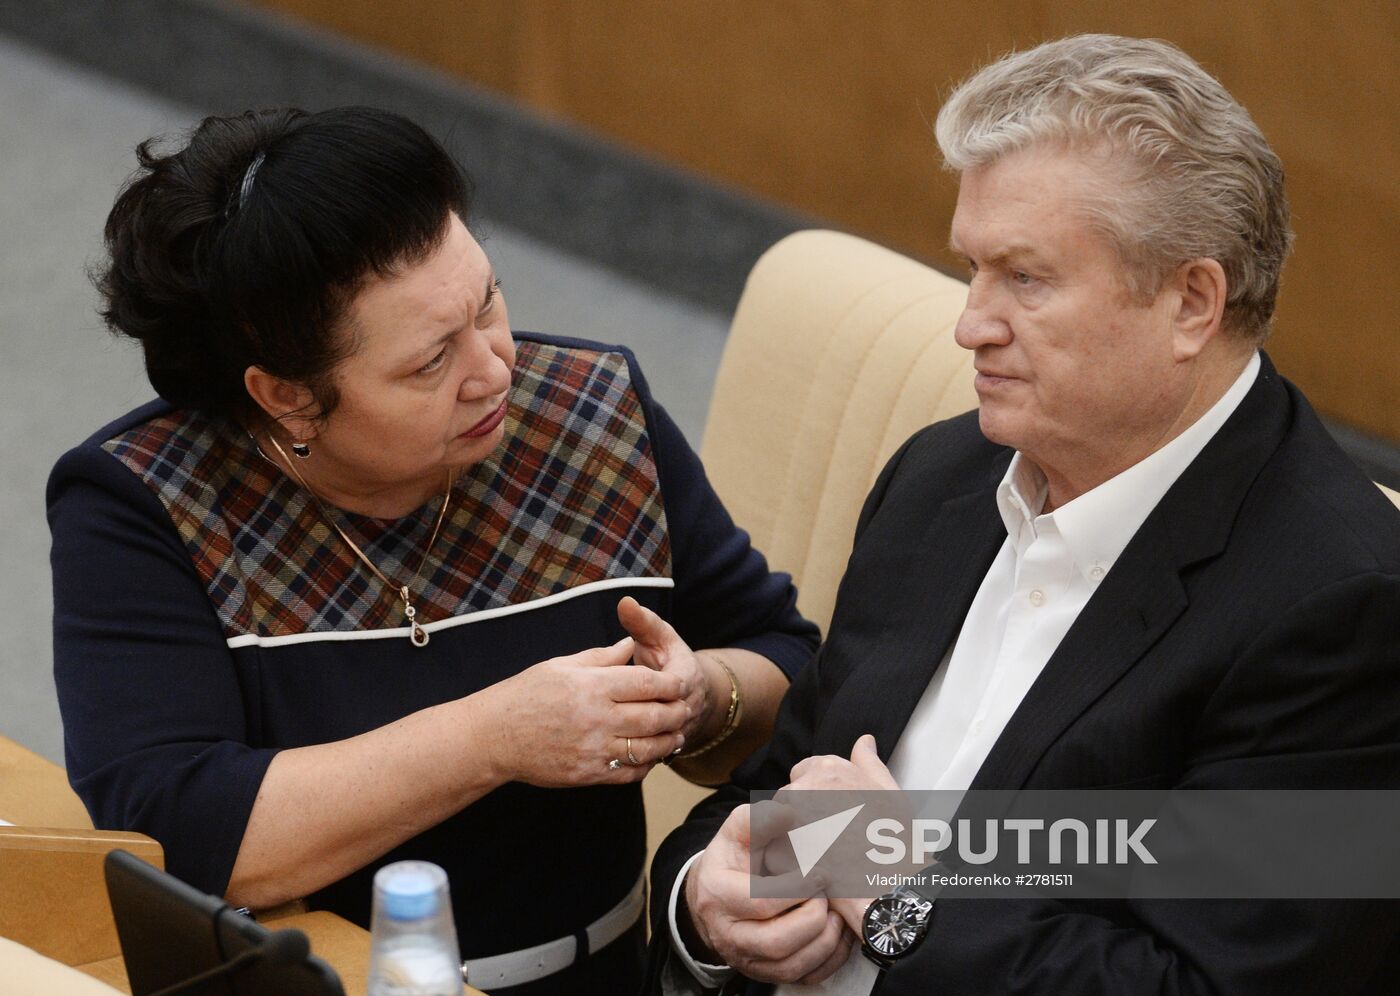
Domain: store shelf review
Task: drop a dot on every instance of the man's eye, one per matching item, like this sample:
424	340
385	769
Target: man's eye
1022	278
494	293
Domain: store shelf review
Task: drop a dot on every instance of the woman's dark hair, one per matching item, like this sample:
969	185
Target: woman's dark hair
214	270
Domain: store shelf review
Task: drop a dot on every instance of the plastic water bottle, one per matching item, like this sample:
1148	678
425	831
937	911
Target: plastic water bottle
413	944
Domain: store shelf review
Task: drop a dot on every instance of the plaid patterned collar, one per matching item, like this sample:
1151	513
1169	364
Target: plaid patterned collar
571	498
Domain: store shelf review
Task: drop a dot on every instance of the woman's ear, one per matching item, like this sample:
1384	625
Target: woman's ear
286	403
1201	292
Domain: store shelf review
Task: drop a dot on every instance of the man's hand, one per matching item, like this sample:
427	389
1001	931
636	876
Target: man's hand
768	940
863	771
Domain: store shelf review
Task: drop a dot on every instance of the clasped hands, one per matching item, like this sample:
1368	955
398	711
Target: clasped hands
562	721
777	940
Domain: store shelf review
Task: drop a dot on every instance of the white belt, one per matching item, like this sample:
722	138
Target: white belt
515	968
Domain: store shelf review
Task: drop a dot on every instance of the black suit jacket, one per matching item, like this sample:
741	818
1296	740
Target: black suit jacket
1248	636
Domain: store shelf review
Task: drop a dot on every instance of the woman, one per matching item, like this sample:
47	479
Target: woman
364	583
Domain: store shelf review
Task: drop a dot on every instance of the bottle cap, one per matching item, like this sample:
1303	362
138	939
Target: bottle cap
409	889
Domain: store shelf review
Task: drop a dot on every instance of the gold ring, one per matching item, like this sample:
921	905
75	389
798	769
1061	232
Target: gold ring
631	758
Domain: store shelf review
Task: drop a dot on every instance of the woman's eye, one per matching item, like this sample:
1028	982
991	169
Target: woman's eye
434	363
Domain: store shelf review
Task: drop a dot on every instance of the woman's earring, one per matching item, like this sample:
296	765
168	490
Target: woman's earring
302	450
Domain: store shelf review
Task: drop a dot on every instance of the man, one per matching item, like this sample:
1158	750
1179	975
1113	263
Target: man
1142	563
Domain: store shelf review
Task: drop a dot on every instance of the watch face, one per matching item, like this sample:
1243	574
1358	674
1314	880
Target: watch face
893	924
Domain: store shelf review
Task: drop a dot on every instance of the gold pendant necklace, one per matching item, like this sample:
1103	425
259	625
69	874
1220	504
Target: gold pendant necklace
417	635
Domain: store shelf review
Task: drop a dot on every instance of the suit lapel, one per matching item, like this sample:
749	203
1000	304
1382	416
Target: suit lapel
938	583
1143	595
1120	623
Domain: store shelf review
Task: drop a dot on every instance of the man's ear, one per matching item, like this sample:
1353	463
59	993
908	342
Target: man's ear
286	403
1200	289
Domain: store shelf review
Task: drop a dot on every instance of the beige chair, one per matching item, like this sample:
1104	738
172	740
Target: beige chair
24	972
838	352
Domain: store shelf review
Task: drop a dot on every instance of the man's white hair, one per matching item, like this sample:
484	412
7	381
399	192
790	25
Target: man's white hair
1195	177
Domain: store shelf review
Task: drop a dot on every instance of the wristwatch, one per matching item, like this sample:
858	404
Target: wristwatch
893	924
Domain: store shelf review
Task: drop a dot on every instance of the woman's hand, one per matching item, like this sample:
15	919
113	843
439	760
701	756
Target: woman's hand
660	648
560	722
707	674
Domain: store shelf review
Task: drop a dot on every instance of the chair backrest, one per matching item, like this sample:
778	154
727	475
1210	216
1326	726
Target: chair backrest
35	792
52	895
839	351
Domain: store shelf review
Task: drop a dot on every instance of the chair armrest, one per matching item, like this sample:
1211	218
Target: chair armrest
53	894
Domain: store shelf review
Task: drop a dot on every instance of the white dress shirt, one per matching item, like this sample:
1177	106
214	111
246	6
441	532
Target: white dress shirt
1044	574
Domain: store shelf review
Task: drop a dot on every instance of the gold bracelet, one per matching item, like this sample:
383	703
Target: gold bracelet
731	719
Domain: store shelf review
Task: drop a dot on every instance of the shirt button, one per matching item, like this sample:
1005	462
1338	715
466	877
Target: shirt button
1037	597
1096	573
